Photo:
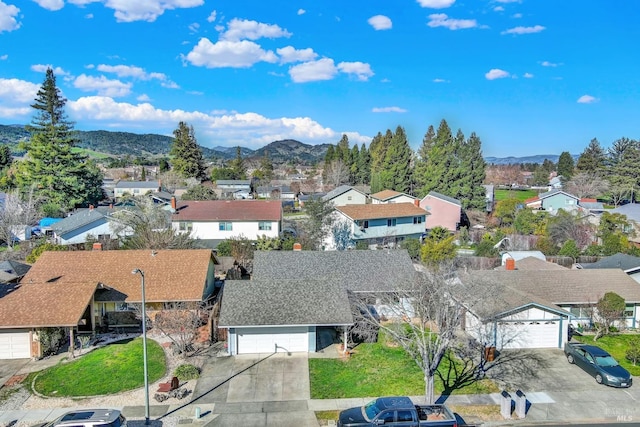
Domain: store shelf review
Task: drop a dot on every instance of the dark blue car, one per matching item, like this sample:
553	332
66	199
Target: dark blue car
599	364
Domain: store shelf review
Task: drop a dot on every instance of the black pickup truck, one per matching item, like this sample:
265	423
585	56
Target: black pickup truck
399	412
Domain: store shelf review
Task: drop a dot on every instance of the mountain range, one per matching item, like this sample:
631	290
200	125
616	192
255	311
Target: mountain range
149	145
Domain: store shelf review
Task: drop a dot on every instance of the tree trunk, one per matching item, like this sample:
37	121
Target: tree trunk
428	389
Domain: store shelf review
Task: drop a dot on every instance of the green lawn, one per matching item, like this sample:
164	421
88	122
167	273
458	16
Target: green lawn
617	346
374	370
91	153
521	195
111	369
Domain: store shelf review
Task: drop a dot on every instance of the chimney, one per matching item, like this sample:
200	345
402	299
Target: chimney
510	264
173	203
297	247
416	202
90	207
97	246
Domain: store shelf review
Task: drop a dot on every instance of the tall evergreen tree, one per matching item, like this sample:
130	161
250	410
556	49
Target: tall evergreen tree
565	166
60	176
186	154
5	156
396	171
474	169
353	167
364	166
237	166
266	167
593	159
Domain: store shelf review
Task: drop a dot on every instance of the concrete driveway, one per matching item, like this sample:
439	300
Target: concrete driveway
257	390
10	367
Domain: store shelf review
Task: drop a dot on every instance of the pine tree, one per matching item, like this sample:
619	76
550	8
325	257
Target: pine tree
593	159
396	171
355	161
474	168
378	152
237	166
565	166
364	166
60	176
187	160
266	167
5	156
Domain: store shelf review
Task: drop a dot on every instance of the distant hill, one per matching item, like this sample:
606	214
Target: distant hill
292	150
527	159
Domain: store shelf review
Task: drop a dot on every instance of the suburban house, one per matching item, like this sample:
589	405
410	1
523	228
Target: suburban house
216	220
536	305
628	263
12	271
553	200
345	195
75	228
135	188
592	205
632	212
444	211
82	290
234	188
390	196
302	297
282	192
380	224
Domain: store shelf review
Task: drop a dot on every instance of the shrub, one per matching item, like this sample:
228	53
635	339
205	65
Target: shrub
187	372
633	353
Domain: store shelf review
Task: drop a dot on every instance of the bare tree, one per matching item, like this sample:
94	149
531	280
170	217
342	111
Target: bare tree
425	320
16	215
587	185
337	173
181	324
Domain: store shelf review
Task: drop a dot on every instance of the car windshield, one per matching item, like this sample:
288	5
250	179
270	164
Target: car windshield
606	361
371	410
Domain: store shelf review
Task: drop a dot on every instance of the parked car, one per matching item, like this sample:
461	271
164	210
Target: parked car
397	411
89	418
598	363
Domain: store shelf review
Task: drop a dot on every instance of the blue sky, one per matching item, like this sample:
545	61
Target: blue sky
528	76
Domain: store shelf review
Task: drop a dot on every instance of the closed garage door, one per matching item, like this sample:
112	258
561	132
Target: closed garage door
264	340
14	344
531	334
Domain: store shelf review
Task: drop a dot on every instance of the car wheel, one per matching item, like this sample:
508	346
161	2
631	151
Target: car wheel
570	358
599	379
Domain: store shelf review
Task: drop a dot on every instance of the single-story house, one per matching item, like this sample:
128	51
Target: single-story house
345	195
444	211
293	296
553	200
135	188
77	289
75	228
391	196
628	263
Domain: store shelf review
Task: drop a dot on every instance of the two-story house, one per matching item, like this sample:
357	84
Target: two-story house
345	195
444	211
553	200
391	196
217	220
380	224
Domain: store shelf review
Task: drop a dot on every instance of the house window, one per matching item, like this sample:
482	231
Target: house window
264	226
580	311
123	306
136	191
185	226
417	220
629	310
348	197
226	226
363	223
391	222
569	201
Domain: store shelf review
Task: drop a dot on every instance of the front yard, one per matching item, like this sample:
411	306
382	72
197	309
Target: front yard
375	370
617	345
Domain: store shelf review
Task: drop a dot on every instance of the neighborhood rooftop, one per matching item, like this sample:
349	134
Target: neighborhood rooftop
228	210
446	198
392	210
622	261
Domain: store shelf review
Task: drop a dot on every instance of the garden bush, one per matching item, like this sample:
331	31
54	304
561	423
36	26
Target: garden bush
633	353
187	372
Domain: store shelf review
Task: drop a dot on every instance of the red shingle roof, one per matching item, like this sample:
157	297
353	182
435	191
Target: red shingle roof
229	210
392	210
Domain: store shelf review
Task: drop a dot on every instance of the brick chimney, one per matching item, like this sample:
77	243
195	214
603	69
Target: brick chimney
510	264
174	204
297	247
416	202
97	246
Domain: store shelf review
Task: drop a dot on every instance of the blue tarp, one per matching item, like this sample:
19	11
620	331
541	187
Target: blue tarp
48	222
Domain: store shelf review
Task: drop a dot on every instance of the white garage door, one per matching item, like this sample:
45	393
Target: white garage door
14	345
264	340
530	334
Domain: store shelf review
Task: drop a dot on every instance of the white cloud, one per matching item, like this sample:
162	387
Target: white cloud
212	16
102	85
587	99
436	4
42	68
242	29
89	16
528	76
549	64
140	10
291	54
194	27
14	91
234	54
361	70
8	13
524	30
50	4
301	11
170	85
517	15
195	92
124	71
440	81
388	110
4	57
143	98
247	129
322	69
496	73
442	20
498	9
380	22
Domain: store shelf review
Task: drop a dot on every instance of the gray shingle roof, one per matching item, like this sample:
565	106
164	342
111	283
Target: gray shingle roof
534	264
360	270
80	219
16	268
138	184
275	302
337	191
556	191
622	261
631	210
443	197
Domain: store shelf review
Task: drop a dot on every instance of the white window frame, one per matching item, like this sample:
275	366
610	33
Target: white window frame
264	225
225	226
